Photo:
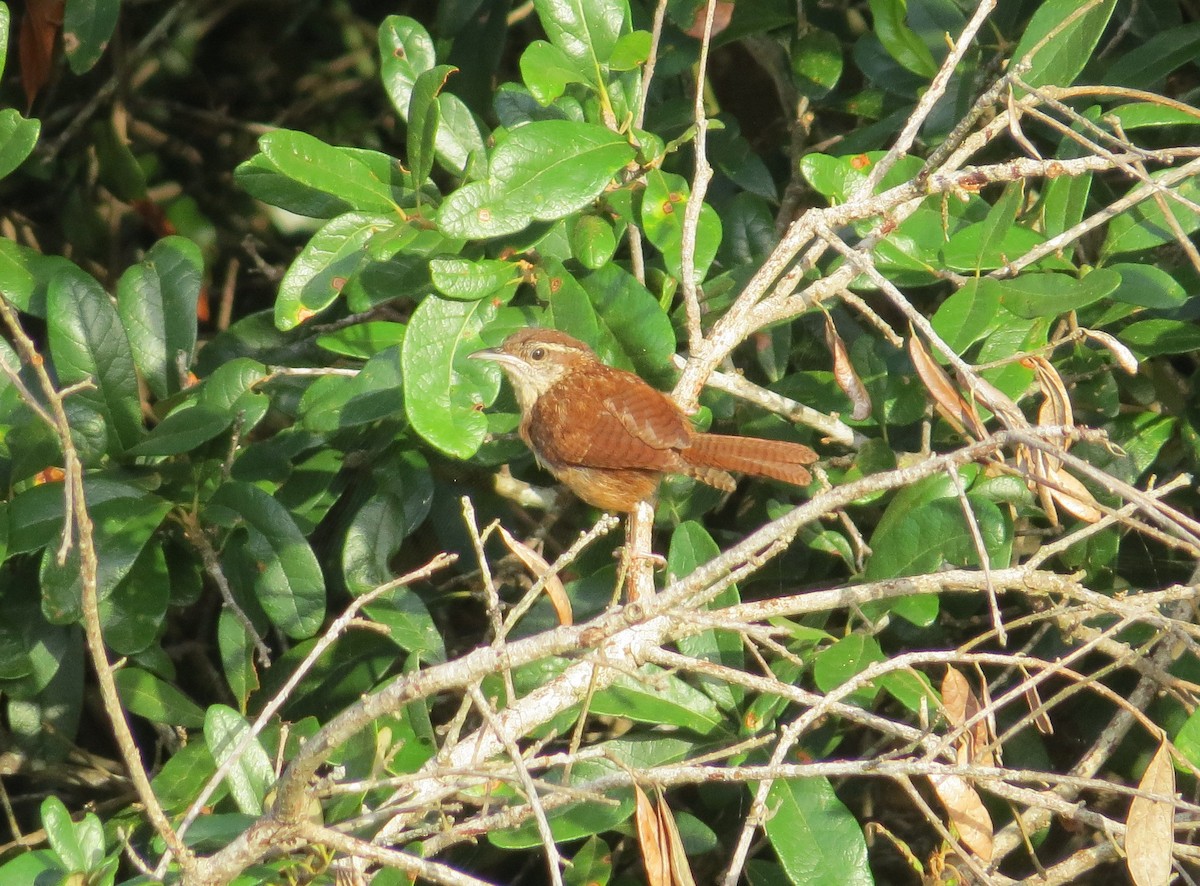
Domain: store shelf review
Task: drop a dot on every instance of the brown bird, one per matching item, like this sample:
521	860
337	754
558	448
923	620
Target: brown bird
611	437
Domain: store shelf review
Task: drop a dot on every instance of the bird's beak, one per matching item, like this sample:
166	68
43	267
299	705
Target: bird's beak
495	355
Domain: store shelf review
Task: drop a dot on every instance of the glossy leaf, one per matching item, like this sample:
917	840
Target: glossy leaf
664	203
464	279
87	27
542	171
586	31
156	301
1058	50
1146	227
17	138
406	51
1151	338
318	274
323	167
424	120
898	39
444	392
289	584
655	696
146	695
1048	295
252	773
88	343
815	838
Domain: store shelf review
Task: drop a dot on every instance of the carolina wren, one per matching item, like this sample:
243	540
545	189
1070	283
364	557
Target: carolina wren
611	437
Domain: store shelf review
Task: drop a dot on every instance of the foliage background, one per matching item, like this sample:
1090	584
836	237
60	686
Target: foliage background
246	248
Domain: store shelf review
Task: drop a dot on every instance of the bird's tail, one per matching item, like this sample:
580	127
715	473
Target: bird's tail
714	454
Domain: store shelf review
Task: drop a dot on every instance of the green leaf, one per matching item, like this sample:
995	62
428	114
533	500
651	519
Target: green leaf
1146	227
692	547
634	331
547	70
657	697
544	170
424	118
237	656
17	138
311	162
576	821
593	241
1048	295
444	392
363	340
815	838
1140	115
183	430
87	27
1151	338
261	178
587	31
289	584
156	301
844	660
468	280
901	42
25	276
966	250
967	315
1148	63
252	774
88	344
5	22
664	203
817	63
145	695
132	615
123	524
61	833
317	275
1061	49
1147	286
406	51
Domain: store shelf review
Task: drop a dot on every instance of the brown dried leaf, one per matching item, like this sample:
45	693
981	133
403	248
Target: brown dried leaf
949	403
1124	357
656	860
537	564
1150	827
1073	497
1033	698
984	750
955	694
967	813
844	374
1056	407
681	871
39	27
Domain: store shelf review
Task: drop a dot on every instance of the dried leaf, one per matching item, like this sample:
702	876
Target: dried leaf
656	860
984	749
967	813
1149	830
537	564
1124	357
39	27
1073	497
681	871
949	403
1056	408
844	374
1041	719
955	692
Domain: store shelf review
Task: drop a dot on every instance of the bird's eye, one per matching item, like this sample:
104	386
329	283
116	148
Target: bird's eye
537	353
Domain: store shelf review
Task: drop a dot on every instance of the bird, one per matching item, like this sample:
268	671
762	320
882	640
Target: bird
611	437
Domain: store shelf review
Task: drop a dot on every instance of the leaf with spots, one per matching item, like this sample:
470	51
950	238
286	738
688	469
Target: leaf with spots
327	262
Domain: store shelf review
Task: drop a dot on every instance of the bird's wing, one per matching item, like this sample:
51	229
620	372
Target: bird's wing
638	428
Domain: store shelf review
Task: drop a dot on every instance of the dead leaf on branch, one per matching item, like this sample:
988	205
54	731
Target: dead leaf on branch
662	849
1150	828
963	805
537	565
